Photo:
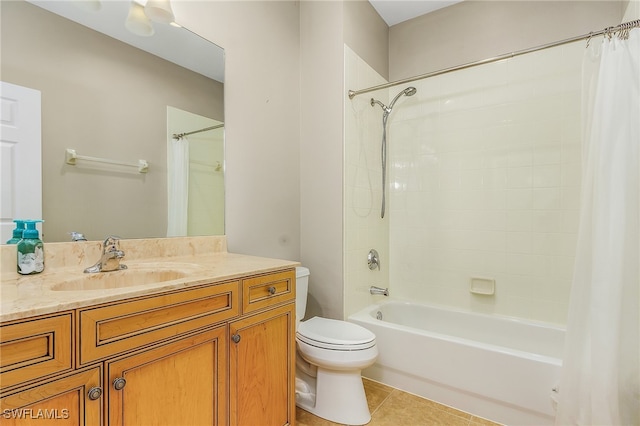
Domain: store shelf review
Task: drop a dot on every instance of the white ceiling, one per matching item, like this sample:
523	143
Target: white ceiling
396	11
176	45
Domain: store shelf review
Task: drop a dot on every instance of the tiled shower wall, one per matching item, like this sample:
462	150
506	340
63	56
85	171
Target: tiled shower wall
364	229
484	182
484	178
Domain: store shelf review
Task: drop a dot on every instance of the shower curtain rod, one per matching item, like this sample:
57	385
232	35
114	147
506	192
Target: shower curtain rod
181	135
609	31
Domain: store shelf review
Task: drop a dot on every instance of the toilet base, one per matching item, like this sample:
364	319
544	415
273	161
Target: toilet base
337	396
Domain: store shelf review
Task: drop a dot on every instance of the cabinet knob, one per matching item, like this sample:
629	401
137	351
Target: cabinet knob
272	290
235	338
94	393
119	383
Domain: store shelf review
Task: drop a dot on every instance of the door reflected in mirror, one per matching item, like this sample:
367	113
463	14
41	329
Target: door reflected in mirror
108	99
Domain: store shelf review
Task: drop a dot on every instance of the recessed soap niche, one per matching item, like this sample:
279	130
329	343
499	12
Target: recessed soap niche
482	286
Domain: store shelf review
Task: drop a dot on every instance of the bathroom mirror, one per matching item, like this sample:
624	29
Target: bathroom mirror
111	97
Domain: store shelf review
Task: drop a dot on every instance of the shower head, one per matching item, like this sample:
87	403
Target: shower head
409	91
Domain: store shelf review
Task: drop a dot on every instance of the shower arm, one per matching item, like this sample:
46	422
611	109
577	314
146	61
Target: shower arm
386	110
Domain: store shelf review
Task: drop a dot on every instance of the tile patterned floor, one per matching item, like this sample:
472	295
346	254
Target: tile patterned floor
392	407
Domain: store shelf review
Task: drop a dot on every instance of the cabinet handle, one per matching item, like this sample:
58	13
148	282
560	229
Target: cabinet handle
119	383
235	338
94	393
272	290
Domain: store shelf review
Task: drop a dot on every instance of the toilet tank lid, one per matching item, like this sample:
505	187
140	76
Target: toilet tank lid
301	271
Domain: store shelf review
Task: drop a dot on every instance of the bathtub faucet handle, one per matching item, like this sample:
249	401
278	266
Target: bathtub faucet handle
378	290
373	259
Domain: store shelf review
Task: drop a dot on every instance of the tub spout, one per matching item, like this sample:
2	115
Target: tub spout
377	290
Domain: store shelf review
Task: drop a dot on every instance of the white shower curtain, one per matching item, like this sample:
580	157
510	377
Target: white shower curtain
600	377
178	187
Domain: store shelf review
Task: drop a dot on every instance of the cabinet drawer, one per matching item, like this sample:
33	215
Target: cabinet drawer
268	290
108	330
35	348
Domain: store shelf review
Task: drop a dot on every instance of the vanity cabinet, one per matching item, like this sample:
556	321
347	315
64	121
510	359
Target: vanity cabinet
262	353
179	383
262	368
72	399
215	354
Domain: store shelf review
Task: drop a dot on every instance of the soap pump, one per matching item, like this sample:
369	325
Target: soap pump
30	250
17	232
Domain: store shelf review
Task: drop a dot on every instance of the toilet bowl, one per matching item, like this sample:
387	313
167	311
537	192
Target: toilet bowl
330	356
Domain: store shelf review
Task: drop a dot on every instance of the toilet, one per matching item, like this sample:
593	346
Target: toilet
330	354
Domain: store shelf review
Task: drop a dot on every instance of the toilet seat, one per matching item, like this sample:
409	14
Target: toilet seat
336	335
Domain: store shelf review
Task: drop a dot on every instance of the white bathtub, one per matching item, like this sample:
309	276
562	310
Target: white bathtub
499	368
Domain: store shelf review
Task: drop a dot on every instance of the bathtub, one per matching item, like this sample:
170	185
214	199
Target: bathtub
499	368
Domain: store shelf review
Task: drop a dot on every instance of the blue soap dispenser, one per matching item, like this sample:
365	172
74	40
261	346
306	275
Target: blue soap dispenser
17	232
30	250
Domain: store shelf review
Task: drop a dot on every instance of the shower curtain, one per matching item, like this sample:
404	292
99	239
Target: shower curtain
177	187
600	376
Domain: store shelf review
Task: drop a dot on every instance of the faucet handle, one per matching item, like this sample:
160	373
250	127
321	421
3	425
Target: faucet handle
111	243
77	236
373	259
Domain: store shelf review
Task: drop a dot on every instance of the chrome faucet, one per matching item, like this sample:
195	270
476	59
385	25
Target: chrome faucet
110	259
377	290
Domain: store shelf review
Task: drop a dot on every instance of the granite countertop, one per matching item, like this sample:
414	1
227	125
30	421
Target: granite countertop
181	262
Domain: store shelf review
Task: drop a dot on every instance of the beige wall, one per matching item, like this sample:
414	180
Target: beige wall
100	97
366	33
325	27
475	30
321	197
262	119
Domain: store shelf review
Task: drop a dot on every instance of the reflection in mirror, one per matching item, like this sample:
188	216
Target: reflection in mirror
110	100
195	172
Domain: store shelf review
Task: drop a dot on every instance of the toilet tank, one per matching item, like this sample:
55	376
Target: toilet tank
302	286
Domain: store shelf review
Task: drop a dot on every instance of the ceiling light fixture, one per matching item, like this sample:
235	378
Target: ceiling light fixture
159	11
137	21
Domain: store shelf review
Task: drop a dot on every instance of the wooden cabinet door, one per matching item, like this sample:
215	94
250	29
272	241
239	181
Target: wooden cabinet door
60	402
180	383
262	369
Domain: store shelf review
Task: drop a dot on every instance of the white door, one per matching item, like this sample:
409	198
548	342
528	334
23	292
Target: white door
20	156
